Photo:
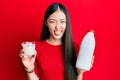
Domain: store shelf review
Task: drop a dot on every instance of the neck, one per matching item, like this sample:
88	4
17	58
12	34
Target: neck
54	42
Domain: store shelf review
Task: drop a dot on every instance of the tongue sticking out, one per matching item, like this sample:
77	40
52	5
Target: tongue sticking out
57	32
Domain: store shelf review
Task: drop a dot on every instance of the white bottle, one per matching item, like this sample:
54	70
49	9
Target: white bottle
86	52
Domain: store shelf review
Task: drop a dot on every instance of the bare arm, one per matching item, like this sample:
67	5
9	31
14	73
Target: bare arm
32	76
28	62
80	74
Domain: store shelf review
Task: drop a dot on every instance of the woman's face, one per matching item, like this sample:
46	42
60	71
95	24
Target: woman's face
56	24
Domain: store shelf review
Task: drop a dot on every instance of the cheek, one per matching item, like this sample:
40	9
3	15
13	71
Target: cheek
51	28
64	27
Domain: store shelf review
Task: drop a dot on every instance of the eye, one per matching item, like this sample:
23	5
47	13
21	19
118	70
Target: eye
63	22
52	21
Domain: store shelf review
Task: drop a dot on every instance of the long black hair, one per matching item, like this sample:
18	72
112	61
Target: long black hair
67	42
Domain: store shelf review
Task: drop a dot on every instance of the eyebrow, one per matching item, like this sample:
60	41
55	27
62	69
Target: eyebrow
55	19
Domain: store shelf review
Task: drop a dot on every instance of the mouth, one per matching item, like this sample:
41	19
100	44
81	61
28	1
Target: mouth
57	32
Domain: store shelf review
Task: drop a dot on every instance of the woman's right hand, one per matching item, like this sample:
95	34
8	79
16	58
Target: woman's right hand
28	61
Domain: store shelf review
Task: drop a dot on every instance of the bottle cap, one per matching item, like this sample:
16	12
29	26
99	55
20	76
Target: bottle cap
91	31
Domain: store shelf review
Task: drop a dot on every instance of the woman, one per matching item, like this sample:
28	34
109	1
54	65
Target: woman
55	56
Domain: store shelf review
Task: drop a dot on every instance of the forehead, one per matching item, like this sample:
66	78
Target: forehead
57	15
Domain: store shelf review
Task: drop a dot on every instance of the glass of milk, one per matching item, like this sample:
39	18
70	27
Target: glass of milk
28	48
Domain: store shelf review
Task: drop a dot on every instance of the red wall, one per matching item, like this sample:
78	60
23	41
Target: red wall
21	20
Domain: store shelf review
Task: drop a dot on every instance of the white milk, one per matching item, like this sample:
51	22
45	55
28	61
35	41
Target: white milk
86	52
28	48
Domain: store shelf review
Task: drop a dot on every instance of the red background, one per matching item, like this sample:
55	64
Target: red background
21	20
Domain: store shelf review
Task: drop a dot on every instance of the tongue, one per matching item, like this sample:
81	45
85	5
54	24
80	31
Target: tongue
57	32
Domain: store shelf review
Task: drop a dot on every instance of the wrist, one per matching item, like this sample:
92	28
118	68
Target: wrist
29	70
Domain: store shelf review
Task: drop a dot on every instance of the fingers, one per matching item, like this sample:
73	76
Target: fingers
33	56
80	71
23	56
93	59
80	74
92	62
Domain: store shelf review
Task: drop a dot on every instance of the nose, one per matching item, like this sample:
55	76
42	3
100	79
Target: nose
58	25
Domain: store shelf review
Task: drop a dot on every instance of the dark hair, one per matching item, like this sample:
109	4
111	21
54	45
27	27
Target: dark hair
68	46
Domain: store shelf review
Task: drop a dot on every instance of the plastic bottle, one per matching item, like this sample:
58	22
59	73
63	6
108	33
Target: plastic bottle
86	51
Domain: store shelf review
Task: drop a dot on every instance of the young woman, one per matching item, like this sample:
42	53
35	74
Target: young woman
55	56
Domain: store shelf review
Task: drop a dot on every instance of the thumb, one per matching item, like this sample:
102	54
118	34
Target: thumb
34	56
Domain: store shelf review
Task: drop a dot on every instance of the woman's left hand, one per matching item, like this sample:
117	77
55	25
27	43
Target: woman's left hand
80	72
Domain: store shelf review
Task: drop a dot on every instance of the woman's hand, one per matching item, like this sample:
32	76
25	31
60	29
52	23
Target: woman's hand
28	61
92	61
80	72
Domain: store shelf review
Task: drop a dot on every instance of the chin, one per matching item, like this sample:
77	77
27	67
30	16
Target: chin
58	37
